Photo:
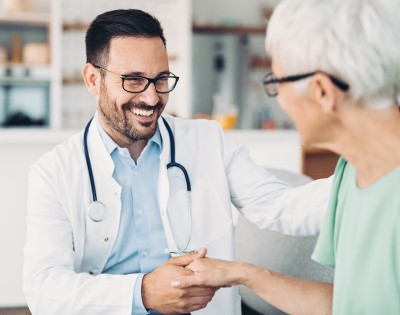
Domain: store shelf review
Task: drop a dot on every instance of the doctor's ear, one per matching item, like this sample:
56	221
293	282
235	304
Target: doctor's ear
92	78
323	92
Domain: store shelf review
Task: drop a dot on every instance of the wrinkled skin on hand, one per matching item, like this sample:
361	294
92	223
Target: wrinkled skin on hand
208	272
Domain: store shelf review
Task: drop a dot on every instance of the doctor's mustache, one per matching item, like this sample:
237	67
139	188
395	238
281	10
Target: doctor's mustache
143	105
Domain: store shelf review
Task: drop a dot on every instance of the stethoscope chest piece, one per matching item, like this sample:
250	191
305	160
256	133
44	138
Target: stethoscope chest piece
97	211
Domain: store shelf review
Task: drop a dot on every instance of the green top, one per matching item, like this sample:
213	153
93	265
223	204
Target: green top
361	240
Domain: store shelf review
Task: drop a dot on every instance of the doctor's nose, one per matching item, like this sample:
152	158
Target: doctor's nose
150	96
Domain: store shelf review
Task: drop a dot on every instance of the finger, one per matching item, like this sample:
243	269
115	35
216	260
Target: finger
193	307
200	291
186	282
197	301
202	253
185	259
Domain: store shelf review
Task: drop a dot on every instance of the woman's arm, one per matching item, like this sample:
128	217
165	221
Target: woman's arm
291	295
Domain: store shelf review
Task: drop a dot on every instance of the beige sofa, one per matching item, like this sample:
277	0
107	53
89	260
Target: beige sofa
286	254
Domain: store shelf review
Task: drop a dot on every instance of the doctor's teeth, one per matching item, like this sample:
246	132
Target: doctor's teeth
142	112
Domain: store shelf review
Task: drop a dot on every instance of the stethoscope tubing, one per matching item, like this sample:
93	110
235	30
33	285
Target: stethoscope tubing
173	163
88	163
99	209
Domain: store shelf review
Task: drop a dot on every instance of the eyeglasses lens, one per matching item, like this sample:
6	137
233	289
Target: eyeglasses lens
139	84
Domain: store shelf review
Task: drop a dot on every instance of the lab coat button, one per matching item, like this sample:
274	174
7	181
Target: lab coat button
91	272
106	239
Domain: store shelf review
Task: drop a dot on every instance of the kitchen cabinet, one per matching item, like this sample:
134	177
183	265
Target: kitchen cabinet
26	66
229	62
60	95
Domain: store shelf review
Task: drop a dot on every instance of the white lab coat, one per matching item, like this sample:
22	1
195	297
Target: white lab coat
66	251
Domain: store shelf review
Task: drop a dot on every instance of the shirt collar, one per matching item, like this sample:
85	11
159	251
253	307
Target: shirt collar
110	143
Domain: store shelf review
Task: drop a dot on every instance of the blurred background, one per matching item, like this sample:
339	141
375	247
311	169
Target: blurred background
215	46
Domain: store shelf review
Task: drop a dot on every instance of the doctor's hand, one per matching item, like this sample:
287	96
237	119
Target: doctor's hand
159	295
212	272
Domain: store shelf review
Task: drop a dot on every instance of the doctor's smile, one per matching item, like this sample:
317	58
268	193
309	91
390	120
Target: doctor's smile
143	112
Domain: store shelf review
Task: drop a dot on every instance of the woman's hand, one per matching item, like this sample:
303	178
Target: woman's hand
211	272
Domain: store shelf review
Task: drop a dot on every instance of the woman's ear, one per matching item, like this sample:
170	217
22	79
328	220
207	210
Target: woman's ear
323	92
92	78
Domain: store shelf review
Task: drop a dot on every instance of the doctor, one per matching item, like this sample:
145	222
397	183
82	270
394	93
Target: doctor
109	207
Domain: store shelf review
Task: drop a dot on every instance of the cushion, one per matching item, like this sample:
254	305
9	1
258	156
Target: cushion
281	253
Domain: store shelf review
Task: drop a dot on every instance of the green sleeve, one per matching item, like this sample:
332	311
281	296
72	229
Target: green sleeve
324	252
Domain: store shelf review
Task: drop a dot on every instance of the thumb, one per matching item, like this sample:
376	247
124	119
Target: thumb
202	253
188	258
185	282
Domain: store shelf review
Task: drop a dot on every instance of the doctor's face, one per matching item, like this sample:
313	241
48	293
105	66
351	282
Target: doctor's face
132	116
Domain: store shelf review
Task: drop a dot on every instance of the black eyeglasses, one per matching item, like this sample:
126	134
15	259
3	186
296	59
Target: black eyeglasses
271	83
138	83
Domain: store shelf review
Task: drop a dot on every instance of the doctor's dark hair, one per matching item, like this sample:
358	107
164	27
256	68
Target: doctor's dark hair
118	23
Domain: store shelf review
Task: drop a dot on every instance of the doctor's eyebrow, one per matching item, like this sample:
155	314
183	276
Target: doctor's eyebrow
142	74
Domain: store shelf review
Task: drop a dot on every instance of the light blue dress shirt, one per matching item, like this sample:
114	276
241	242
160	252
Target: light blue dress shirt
141	245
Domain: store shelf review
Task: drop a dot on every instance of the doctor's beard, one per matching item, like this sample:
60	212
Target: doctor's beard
119	118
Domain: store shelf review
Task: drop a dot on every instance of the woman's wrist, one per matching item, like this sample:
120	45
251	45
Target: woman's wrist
249	274
242	272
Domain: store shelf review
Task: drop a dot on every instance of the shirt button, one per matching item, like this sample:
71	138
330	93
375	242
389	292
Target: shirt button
145	254
135	173
140	212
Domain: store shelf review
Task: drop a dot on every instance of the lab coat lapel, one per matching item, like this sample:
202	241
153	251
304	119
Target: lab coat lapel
100	236
163	182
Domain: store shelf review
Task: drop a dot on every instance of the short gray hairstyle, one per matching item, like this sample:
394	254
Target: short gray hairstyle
357	41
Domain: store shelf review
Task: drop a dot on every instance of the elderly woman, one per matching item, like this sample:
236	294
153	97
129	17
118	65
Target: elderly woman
335	70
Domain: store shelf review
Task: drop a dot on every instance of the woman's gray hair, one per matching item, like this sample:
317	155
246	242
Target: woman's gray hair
357	41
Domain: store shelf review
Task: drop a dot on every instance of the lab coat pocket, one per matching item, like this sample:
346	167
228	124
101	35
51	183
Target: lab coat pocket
199	219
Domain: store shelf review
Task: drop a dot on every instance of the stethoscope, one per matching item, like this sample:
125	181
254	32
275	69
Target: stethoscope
97	210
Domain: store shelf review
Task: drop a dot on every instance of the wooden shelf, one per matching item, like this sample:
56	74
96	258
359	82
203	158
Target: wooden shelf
11	64
220	29
23	80
27	18
72	81
77	26
79	79
240	29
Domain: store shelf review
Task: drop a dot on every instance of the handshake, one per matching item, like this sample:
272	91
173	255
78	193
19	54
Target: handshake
187	283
